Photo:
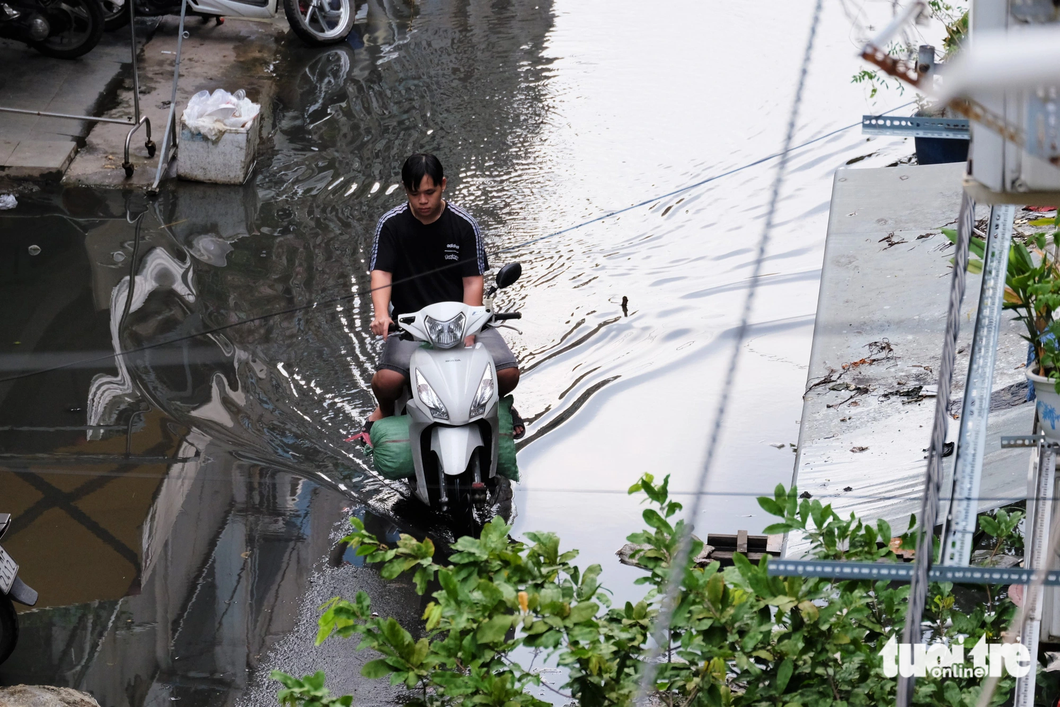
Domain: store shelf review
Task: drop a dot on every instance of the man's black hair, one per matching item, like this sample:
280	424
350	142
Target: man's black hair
419	165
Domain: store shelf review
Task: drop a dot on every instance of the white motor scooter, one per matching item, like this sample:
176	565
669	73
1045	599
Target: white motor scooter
316	22
452	406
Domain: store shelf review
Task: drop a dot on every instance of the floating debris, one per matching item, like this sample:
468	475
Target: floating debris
889	239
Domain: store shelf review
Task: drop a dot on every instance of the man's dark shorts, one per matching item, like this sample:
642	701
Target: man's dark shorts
397	352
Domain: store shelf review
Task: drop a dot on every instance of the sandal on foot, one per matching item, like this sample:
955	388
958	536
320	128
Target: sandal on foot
363	437
518	425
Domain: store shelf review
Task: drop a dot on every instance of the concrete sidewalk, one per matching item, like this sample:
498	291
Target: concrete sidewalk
236	54
233	55
33	146
877	344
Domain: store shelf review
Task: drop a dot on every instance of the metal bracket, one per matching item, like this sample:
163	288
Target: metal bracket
1028	441
950	128
137	121
959	522
903	572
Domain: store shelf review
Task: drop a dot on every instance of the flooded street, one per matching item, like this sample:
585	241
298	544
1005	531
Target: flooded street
172	505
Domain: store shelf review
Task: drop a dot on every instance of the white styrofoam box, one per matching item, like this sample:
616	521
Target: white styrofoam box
226	161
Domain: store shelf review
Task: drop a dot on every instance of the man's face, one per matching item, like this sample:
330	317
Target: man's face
426	200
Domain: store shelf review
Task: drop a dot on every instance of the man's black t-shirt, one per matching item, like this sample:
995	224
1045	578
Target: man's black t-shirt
417	256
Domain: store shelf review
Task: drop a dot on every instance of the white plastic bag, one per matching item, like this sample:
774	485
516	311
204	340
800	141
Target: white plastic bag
211	114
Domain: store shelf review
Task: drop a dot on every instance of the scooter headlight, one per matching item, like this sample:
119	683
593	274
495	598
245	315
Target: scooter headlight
447	334
428	397
483	394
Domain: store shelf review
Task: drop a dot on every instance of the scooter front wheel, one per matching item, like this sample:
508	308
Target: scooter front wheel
8	628
465	519
320	22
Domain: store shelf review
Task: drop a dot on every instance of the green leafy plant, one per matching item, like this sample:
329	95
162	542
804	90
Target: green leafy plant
308	692
738	636
1033	292
954	21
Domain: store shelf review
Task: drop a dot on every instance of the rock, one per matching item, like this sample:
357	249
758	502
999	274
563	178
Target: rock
44	696
625	555
981	558
703	558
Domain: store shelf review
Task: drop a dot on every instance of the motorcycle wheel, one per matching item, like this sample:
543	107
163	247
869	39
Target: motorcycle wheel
320	22
465	519
77	27
114	16
8	628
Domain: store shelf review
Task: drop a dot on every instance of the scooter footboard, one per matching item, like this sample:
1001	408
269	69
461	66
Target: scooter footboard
454	446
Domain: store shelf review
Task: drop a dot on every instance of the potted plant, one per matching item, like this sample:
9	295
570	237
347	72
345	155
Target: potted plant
1033	292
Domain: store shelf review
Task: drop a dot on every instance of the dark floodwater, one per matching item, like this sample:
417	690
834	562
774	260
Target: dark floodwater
172	505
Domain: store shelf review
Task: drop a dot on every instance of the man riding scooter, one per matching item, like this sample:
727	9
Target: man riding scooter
426	251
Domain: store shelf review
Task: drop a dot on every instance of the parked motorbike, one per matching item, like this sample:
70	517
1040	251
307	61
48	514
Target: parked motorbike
11	589
453	404
316	22
64	29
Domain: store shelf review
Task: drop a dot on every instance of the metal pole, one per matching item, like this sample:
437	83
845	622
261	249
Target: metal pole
136	75
170	134
933	478
959	522
1032	598
46	114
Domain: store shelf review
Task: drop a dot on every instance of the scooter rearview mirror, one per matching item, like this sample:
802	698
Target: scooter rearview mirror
508	274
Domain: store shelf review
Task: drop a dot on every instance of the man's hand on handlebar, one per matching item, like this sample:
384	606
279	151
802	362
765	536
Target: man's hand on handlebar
381	326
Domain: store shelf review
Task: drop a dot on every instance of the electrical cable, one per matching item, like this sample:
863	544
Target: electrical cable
369	290
679	560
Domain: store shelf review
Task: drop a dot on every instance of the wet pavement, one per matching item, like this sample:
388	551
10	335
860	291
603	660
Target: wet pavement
175	506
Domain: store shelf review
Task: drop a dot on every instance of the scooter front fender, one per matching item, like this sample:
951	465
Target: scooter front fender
454	446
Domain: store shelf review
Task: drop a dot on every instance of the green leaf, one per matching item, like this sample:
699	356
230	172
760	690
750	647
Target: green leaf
397	637
715	590
419	652
376	669
448	582
809	611
784	675
770	506
583	612
493	630
653	519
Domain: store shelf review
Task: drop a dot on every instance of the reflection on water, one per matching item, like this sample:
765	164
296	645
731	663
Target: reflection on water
171	504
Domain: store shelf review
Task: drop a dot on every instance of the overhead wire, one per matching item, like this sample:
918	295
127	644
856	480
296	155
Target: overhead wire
367	291
679	560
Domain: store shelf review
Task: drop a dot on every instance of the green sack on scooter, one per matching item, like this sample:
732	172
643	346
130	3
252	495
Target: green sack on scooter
390	450
506	462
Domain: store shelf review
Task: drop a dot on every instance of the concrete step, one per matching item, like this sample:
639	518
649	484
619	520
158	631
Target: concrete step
36	158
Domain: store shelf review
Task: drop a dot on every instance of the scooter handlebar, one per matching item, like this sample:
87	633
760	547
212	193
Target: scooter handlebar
502	316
